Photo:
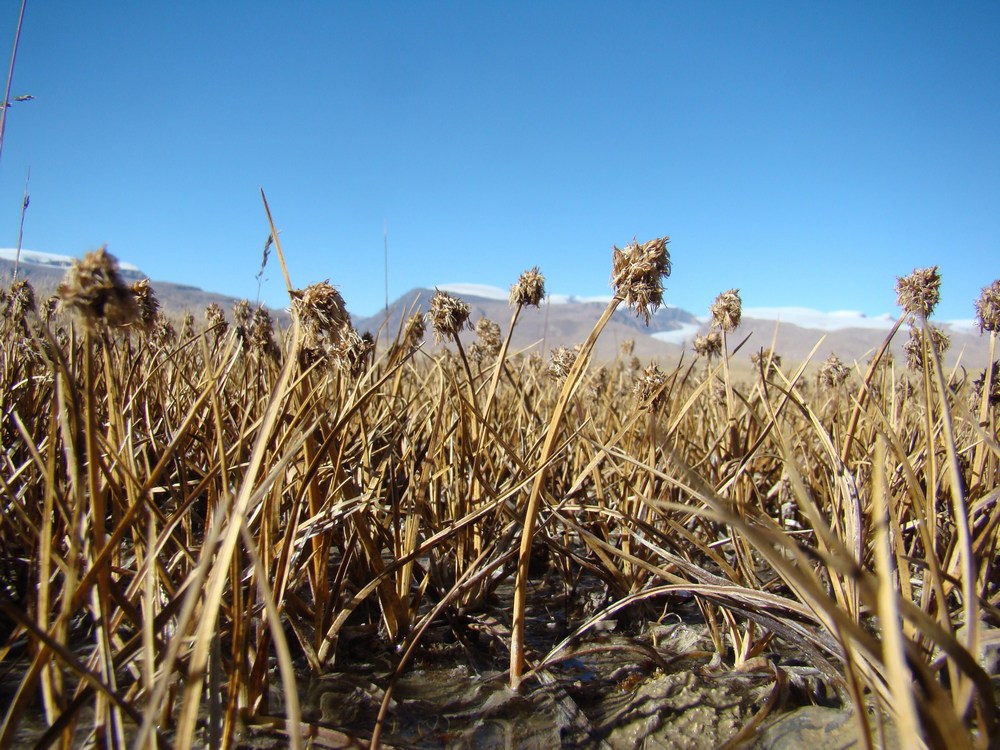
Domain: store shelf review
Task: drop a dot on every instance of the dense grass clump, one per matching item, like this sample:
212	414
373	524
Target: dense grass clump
181	511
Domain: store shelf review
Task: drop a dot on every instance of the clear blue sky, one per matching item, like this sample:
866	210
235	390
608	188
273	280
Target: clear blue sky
805	152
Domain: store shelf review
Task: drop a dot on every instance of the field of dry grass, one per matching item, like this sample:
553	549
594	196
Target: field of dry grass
185	509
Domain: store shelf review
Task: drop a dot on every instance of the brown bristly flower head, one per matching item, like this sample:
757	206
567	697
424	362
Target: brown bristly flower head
19	299
241	313
637	274
766	359
833	372
413	332
914	347
529	289
448	315
919	292
649	388
727	310
627	348
260	332
599	382
709	345
49	307
93	288
561	361
988	308
980	383
489	337
322	316
351	354
162	332
145	299
216	319
187	326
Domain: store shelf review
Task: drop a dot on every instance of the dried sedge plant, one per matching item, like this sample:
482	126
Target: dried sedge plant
919	292
980	383
529	291
324	321
448	316
489	338
216	320
627	348
914	347
561	361
93	288
833	372
20	299
988	308
48	308
413	332
260	332
148	304
637	274
162	333
648	390
709	345
767	360
187	326
727	310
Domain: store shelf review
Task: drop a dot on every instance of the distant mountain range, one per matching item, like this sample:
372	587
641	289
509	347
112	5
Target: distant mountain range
564	320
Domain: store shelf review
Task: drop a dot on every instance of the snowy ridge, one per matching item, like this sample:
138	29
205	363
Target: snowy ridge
486	291
50	259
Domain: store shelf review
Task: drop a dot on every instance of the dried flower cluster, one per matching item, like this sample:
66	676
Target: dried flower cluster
649	391
727	310
448	315
914	347
599	382
489	342
260	332
709	345
637	274
93	288
833	372
988	308
324	321
561	361
216	319
529	289
767	360
19	299
979	383
627	348
187	326
162	332
919	292
413	332
145	299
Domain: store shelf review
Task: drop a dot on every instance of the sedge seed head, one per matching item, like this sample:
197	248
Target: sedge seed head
322	316
919	292
648	388
529	289
988	308
216	320
709	345
93	288
145	299
913	349
489	336
448	315
833	372
727	310
561	361
637	274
